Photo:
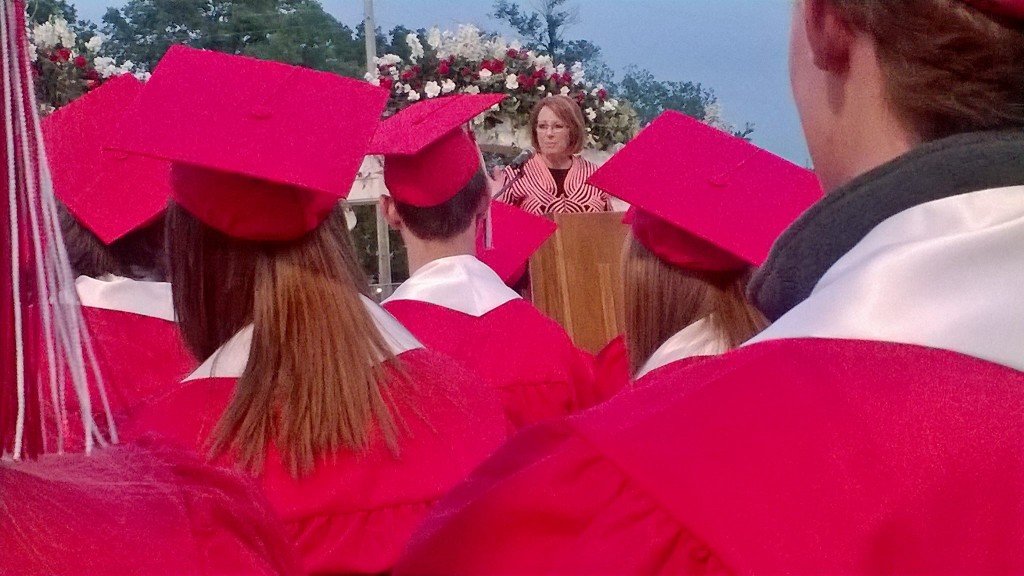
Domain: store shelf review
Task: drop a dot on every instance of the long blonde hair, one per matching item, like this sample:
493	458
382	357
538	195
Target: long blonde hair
319	376
662	299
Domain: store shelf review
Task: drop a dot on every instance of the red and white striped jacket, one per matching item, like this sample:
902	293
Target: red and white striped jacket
537	193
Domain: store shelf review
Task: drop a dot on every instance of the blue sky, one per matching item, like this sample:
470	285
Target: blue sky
736	47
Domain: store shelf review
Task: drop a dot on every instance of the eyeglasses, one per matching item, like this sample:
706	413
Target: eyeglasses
552	127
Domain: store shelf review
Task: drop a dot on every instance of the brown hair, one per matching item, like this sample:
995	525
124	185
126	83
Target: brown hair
449	219
949	67
568	111
316	380
138	254
662	299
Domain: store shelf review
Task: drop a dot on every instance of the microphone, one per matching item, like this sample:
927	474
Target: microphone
523	157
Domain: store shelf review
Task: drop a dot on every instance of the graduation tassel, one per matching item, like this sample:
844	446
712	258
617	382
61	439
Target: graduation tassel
43	342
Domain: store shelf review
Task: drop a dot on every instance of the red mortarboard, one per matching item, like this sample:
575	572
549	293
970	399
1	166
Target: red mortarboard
428	155
516	236
302	133
110	193
1009	8
706	200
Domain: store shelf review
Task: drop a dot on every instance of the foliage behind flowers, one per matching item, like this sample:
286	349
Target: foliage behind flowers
470	62
67	66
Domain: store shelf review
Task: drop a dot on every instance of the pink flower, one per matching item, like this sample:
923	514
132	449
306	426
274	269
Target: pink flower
80	61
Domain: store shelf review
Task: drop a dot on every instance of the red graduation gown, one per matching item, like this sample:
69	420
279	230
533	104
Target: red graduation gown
137	347
873	428
799	456
354	513
522	353
132	510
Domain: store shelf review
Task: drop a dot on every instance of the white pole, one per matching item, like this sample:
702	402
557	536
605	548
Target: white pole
370	30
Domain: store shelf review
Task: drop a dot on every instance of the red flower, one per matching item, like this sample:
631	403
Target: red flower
513	53
63	54
407	75
386	82
52	56
485	65
527	82
443	68
466	71
80	61
416	69
567	77
581	97
498	66
92	75
539	74
602	94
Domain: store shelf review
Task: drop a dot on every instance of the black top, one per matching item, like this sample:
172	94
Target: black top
559	175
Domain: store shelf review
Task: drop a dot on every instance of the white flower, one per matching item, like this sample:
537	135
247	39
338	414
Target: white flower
578	76
143	76
591	115
95	43
105	66
413	95
485	74
434	38
515	45
467	42
564	91
403	88
388	60
608	106
471	89
512	82
432	89
499	48
33	54
414	45
560	69
127	66
542	61
372	79
448	86
541	88
496	107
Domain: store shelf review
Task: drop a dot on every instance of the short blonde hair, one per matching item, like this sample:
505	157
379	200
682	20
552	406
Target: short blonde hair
568	111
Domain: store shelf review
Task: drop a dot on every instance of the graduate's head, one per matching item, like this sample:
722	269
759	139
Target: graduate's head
255	235
707	207
445	220
138	254
433	169
111	204
661	299
897	74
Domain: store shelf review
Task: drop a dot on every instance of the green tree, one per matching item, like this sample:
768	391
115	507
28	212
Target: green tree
293	31
544	30
650	97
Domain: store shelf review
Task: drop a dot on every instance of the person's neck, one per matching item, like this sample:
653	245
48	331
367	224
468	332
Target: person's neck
557	162
421	252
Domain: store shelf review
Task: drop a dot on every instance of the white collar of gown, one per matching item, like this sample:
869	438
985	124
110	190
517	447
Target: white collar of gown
947	274
697	339
460	283
109	292
229	360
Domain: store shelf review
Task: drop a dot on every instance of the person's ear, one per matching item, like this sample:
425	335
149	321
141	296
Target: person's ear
830	35
390	211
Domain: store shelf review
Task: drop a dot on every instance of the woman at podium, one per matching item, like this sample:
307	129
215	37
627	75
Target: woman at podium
554	180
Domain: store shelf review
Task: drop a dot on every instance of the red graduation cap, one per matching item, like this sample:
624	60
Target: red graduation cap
261	150
516	236
705	200
110	193
1008	8
428	155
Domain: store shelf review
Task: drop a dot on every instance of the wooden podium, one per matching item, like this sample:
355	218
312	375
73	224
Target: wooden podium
576	280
